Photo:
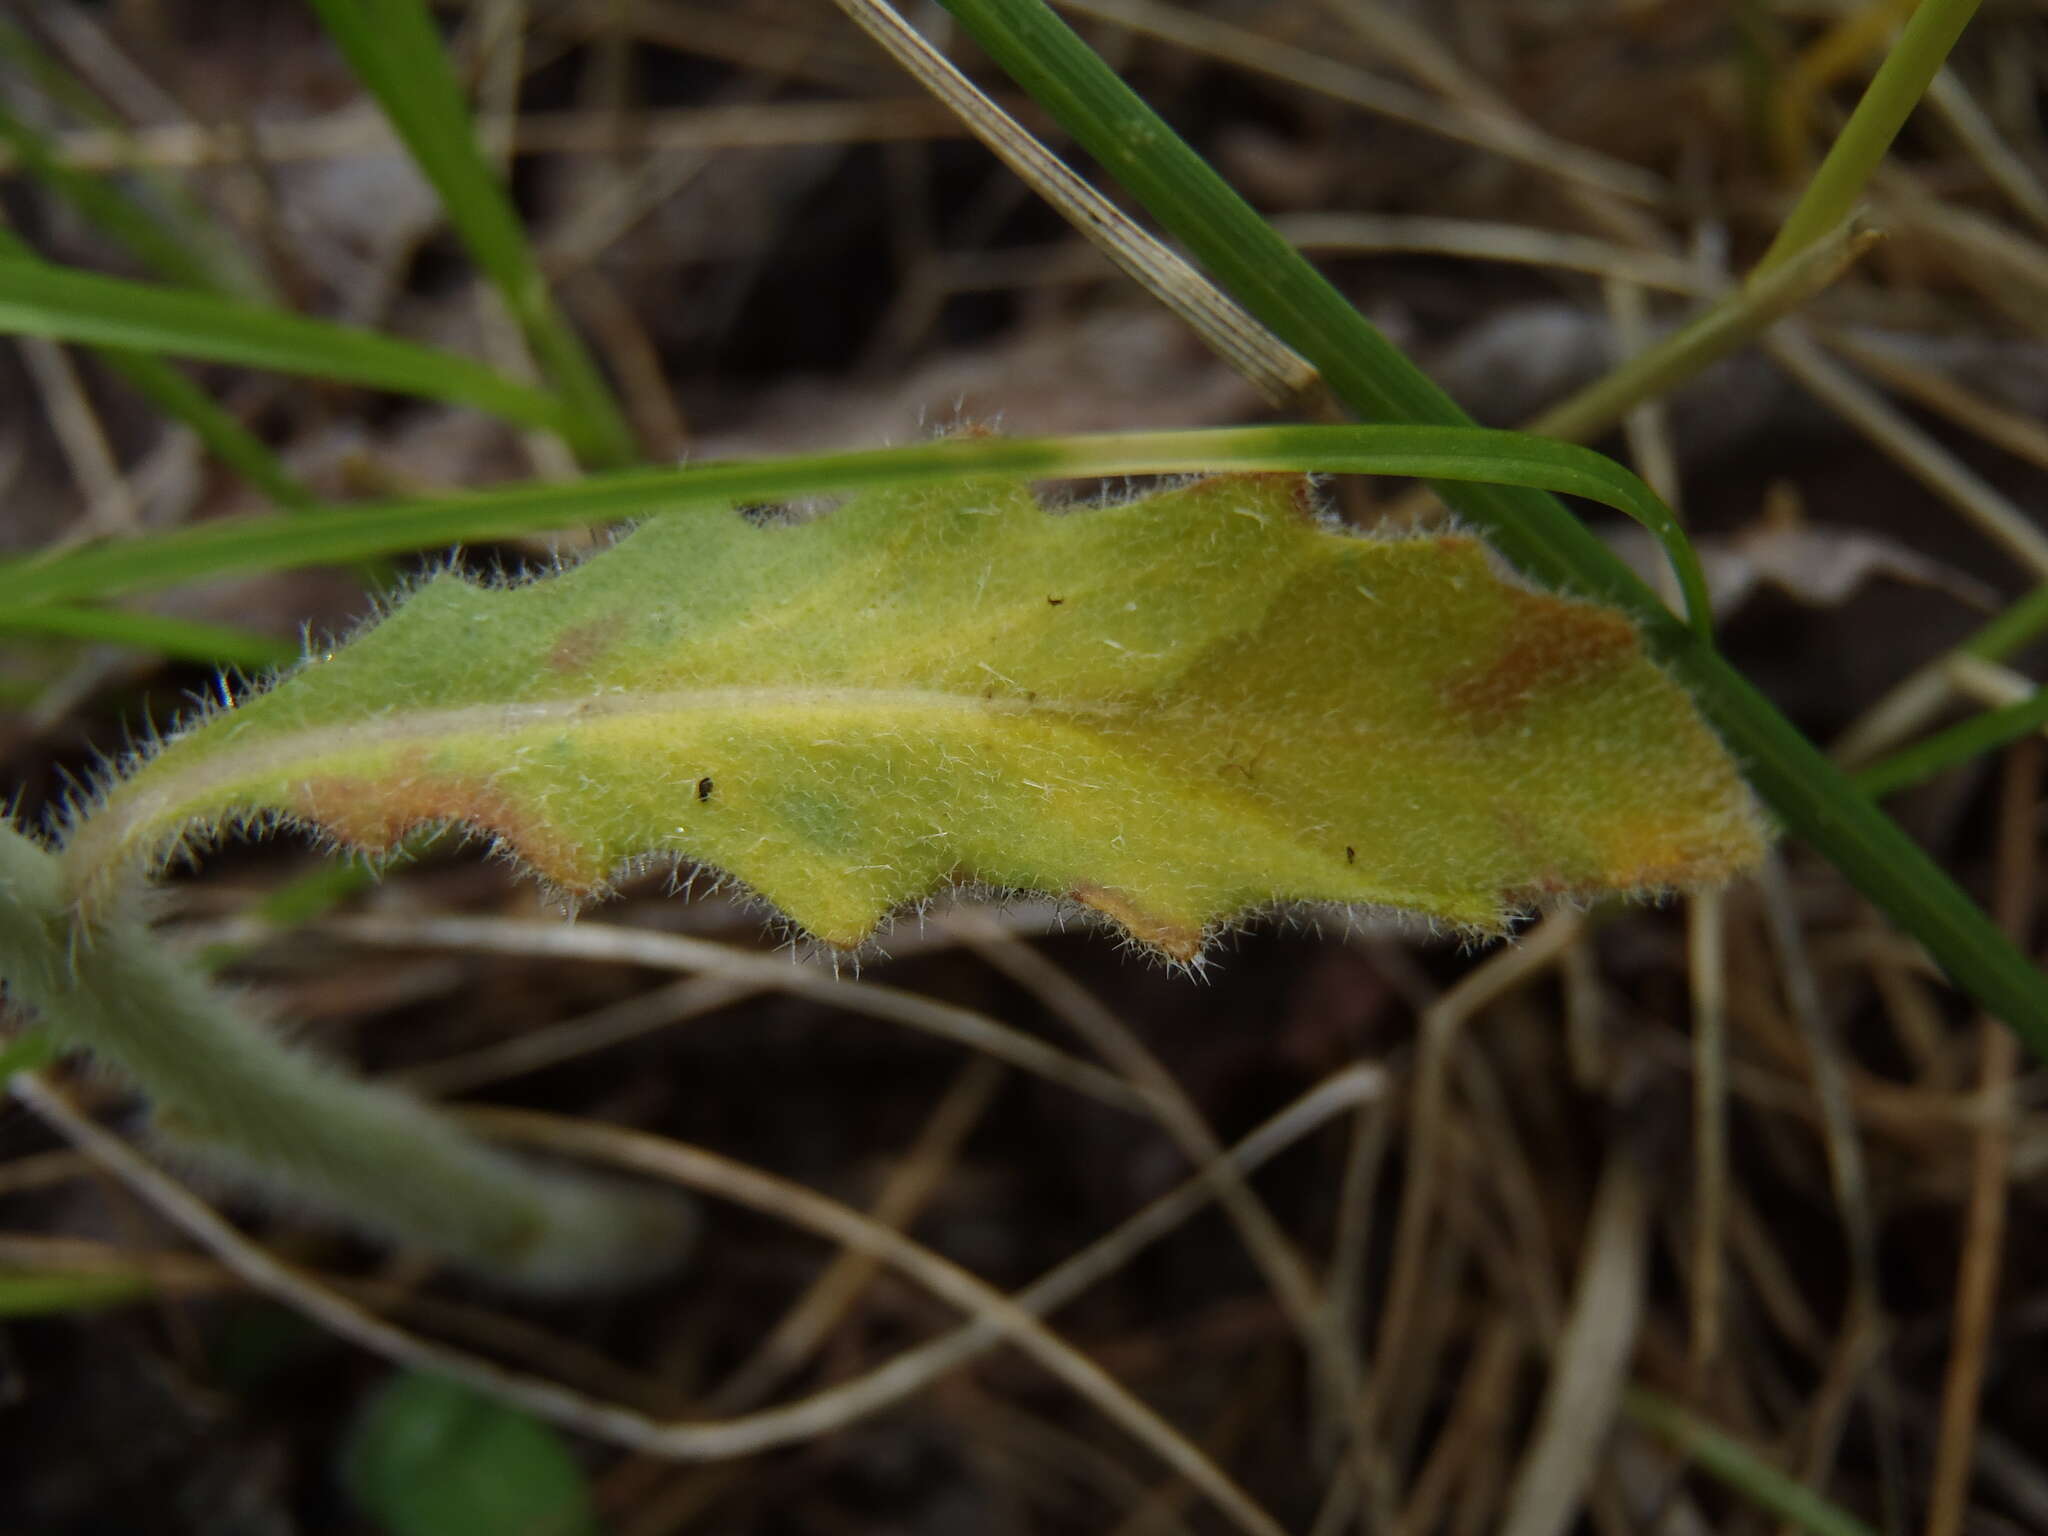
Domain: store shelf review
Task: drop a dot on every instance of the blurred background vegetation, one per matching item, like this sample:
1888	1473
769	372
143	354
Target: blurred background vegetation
1742	1163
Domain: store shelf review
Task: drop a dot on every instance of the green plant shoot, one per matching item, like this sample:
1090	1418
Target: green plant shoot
1177	710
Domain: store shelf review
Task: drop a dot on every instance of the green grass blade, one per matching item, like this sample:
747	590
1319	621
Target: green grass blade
1533	530
1741	1468
66	305
2024	621
216	428
42	1294
395	50
181	639
146	238
182	400
359	532
26	1052
1971	738
1908	69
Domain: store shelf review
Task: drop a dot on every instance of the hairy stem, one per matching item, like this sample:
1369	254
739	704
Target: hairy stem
231	1096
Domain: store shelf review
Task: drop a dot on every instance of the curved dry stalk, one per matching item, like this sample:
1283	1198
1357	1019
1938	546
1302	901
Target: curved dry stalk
710	1173
572	1039
2006	168
804	1326
821	1413
1271	1249
1990	1159
782	973
1441	1026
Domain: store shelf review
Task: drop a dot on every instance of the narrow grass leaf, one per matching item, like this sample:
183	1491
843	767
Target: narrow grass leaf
182	400
395	50
222	645
1741	1469
1960	743
41	300
45	1294
360	532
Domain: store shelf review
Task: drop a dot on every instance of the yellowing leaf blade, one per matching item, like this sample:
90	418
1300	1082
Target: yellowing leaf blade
1176	710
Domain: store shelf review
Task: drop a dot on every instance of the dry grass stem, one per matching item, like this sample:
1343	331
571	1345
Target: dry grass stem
1278	1259
1503	136
782	973
1707	961
746	1435
1440	1029
697	1169
535	1050
829	1297
1992	513
353	133
1590	1367
1274	368
1991	1157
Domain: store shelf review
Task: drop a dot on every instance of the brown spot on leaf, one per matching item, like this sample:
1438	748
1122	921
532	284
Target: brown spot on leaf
579	646
375	814
1176	939
1551	644
1668	849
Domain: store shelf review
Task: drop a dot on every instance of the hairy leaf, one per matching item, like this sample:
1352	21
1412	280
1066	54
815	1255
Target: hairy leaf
1175	711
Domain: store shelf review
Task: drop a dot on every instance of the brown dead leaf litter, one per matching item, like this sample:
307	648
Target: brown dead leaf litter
1749	1155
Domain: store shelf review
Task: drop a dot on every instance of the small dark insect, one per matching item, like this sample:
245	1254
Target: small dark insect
1054	601
1350	854
704	789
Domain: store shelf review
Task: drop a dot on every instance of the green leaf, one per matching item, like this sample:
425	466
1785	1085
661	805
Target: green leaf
431	1458
1175	711
1270	278
41	300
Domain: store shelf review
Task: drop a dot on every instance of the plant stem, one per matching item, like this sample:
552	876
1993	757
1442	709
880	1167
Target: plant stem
1726	326
235	1099
1908	69
1981	733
